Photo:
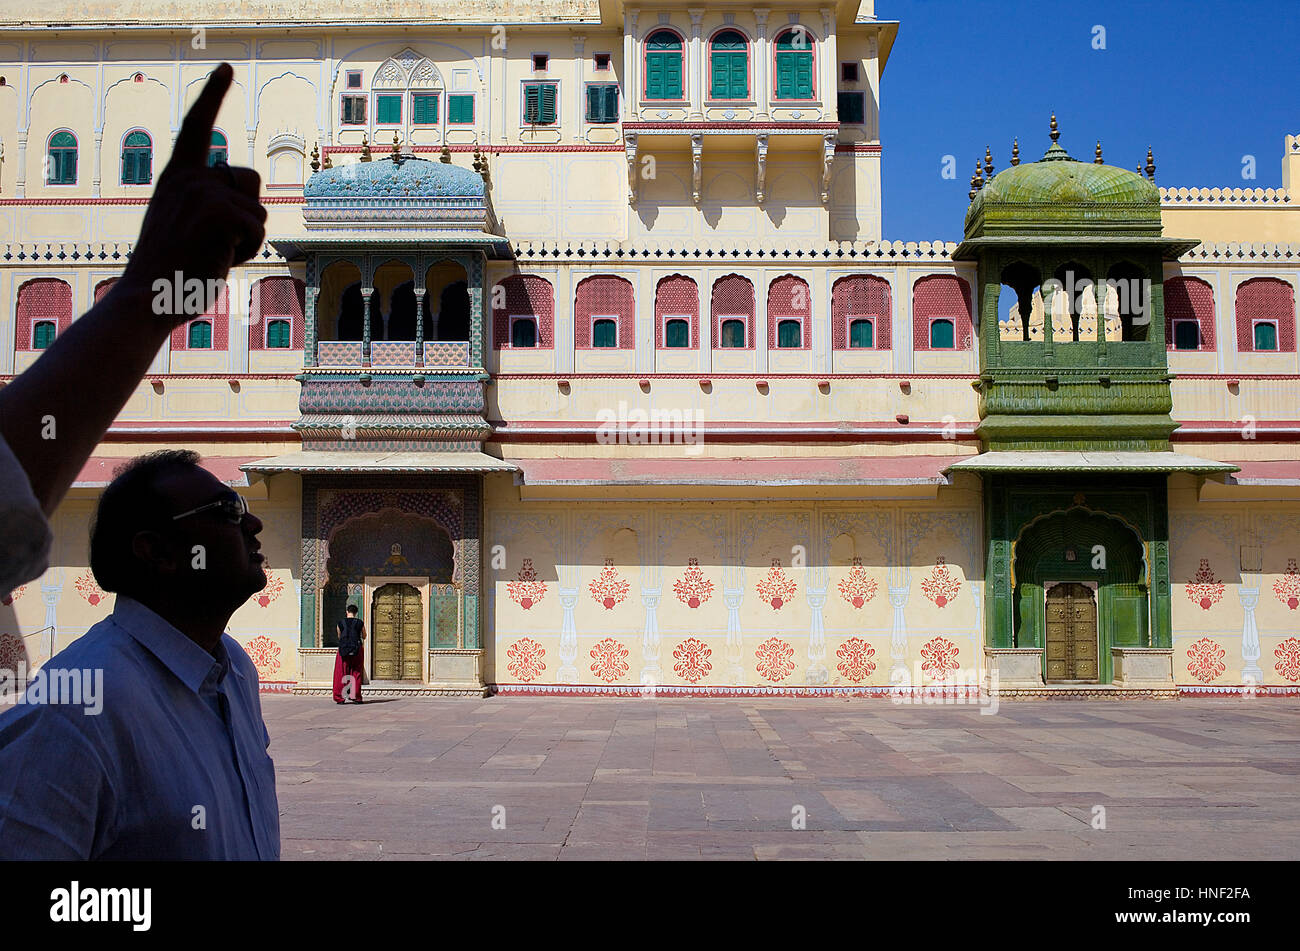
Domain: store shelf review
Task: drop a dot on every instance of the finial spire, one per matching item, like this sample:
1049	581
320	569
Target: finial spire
365	148
315	157
1097	160
1151	165
445	155
1015	152
397	145
327	163
988	163
1056	133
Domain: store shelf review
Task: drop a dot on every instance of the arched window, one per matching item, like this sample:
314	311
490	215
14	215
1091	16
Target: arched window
521	298
861	300
1267	303
941	313
63	159
663	65
1189	314
794	64
137	159
103	287
677	313
200	335
217	151
732	306
604	308
277	308
42	334
789	313
729	66
44	300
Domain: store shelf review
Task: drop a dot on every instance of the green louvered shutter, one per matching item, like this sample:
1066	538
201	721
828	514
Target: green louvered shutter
611	103
200	337
424	108
547	104
43	335
654	76
460	109
277	335
595	101
530	105
673	77
443	614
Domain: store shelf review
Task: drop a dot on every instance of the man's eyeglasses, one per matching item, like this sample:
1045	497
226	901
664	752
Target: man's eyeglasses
232	507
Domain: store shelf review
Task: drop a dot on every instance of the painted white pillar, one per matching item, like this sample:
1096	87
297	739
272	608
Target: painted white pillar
900	586
651	673
733	594
631	66
830	68
579	97
696	77
1251	674
568	593
815	592
762	54
20	186
97	173
761	354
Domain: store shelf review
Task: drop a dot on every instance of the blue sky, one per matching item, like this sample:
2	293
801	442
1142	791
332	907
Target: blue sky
1203	83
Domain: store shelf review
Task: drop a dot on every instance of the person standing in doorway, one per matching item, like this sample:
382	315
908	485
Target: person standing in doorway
350	664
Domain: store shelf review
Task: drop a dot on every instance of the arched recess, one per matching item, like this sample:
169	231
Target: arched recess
1083	545
1189	314
677	297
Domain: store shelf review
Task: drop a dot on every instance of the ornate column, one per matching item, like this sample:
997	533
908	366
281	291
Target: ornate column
97	176
475	271
697	76
365	325
568	593
1251	674
651	674
733	594
900	586
252	138
20	186
310	357
762	53
830	68
631	66
1099	294
815	592
419	325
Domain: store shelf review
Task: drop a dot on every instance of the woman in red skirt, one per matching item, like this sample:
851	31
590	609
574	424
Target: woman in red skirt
349	665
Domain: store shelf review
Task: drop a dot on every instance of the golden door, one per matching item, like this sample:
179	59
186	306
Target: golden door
1071	633
398	625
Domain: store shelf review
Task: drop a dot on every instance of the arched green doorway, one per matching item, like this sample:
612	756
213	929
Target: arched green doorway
1087	548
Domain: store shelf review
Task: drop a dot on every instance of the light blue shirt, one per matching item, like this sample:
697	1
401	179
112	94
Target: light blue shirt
174	766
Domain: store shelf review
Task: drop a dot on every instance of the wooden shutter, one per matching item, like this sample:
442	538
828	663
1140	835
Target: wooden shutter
547	108
530	104
784	75
611	103
654	76
803	88
424	109
739	74
673	76
595	103
720	76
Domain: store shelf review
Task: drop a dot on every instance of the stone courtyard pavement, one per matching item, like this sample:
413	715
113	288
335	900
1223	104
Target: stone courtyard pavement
607	778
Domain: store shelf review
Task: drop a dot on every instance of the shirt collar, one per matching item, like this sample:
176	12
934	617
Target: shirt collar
189	662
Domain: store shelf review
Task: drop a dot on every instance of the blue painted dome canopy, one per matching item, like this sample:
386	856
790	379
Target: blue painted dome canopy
384	178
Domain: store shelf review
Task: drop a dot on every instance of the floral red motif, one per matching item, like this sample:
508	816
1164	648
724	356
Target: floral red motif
1205	660
13	595
776	588
526	661
1288	659
940	586
692	588
609	660
265	655
12	652
856	588
274	588
1204	589
692	658
775	659
855	659
86	587
609	589
1287	587
939	658
526	590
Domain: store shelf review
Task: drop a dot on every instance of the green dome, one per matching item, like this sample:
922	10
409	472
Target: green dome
1059	194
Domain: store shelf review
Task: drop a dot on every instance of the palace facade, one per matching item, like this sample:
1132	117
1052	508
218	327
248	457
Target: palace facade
577	359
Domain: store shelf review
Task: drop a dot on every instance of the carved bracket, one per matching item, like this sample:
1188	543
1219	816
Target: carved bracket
697	152
828	161
629	148
760	151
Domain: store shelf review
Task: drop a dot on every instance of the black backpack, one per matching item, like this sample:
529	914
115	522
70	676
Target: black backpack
350	636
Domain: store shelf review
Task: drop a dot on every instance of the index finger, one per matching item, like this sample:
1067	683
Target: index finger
196	131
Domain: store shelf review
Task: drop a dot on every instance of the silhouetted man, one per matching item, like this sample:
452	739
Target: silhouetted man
170	762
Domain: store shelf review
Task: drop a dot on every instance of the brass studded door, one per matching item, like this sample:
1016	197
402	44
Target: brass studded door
398	629
1071	633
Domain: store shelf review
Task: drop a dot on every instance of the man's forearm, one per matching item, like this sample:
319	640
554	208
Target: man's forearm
54	414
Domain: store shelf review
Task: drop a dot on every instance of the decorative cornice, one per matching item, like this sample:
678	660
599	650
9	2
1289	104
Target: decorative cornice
882	251
1261	251
1226	196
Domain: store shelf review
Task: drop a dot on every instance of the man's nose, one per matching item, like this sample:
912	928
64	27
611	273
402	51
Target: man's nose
252	523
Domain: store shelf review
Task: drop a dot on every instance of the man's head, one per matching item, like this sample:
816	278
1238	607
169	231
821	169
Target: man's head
352	610
166	529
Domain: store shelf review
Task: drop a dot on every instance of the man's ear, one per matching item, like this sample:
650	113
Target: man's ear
153	550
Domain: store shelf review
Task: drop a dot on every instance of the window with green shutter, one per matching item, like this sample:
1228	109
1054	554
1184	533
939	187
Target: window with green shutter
789	335
941	335
663	65
63	159
523	332
602	102
200	336
278	334
794	65
539	104
218	149
862	334
424	108
677	333
733	334
460	109
388	109
729	66
853	107
42	334
1187	335
604	333
1265	336
137	159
